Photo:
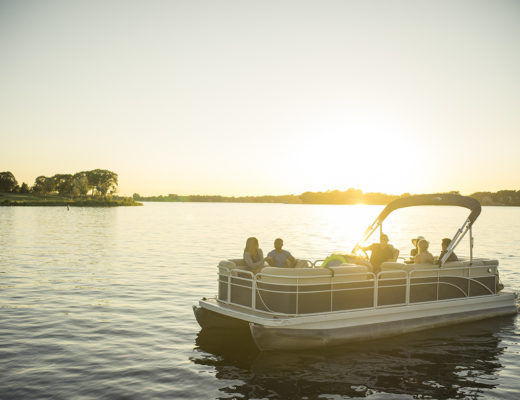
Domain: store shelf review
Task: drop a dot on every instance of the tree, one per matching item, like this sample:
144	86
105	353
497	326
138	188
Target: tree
50	185
8	182
39	185
80	186
102	180
63	183
44	185
24	189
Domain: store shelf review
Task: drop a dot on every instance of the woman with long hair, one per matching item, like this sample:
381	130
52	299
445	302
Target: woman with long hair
253	255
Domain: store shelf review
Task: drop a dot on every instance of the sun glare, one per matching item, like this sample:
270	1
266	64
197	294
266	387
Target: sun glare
376	158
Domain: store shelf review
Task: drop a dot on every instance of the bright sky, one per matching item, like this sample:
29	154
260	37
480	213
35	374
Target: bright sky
263	97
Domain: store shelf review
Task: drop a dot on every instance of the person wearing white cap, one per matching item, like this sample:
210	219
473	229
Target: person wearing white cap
415	249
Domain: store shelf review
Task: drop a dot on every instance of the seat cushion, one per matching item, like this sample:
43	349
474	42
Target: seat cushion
302	276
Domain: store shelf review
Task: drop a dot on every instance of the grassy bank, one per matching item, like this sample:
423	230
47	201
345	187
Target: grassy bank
9	199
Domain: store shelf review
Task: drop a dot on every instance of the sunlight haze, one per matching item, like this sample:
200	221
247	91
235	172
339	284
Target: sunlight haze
263	97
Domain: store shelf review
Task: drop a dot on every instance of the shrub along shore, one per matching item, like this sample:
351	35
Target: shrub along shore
96	188
8	199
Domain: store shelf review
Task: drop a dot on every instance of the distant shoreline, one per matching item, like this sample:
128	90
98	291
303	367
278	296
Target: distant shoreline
297	204
29	200
503	198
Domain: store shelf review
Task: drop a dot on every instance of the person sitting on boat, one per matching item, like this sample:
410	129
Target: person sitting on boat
253	255
415	250
424	256
279	257
444	244
381	252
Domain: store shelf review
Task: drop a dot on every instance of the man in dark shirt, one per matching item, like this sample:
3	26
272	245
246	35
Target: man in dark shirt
452	257
381	252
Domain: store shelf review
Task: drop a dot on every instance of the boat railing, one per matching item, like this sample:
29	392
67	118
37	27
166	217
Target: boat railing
297	295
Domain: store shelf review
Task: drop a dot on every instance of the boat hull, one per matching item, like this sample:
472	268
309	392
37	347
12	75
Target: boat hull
329	329
269	338
209	319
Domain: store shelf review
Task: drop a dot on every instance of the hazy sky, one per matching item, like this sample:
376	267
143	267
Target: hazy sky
263	97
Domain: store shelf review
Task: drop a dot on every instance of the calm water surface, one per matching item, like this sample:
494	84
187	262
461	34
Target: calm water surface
96	304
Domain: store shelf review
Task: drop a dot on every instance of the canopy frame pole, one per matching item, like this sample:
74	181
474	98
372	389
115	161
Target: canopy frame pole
459	235
369	231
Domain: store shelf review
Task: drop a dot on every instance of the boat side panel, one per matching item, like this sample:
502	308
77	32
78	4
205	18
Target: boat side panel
269	338
425	286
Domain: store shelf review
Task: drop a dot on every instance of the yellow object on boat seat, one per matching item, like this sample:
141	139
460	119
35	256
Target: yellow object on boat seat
334	260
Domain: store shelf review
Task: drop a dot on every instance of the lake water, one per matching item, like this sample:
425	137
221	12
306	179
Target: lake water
97	304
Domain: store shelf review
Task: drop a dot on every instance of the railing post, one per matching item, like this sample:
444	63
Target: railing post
438	283
471	245
297	293
376	288
408	283
331	291
229	286
469	280
496	283
253	293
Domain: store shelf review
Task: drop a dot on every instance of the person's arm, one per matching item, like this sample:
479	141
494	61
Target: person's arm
254	266
366	248
261	262
269	259
249	260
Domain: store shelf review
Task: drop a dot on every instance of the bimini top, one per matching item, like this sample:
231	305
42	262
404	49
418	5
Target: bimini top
434	200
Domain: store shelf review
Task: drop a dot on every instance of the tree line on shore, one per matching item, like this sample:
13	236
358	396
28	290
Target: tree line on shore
350	196
95	183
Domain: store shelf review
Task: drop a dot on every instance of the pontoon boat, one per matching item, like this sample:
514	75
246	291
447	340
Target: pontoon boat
328	304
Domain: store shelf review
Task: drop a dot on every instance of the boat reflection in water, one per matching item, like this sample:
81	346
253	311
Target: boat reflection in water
461	361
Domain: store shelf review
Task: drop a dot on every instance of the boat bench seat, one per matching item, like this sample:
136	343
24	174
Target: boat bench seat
234	267
349	273
293	276
454	264
479	268
312	276
232	263
392	266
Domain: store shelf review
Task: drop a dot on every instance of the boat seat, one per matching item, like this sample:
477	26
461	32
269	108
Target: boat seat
451	269
227	264
395	270
392	266
349	273
234	266
485	261
293	276
452	264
